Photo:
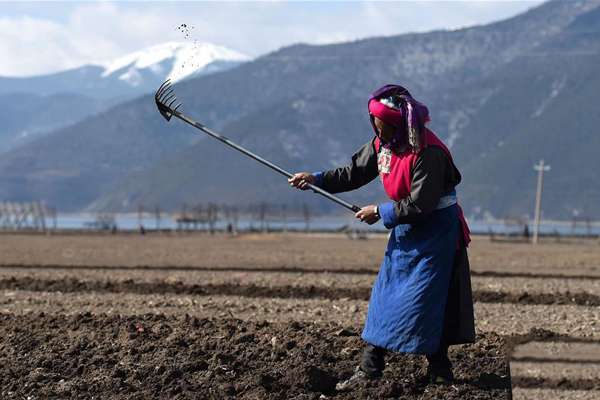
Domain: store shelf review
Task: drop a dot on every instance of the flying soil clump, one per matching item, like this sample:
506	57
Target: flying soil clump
185	32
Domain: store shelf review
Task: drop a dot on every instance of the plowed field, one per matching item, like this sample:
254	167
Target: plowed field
276	316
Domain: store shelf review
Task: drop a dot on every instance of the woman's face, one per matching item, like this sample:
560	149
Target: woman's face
386	130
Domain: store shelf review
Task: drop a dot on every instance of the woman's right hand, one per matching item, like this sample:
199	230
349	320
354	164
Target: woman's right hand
301	180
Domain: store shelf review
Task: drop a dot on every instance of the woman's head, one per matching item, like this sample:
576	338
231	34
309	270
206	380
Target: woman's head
384	130
392	108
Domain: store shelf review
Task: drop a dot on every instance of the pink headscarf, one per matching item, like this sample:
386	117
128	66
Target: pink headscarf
384	113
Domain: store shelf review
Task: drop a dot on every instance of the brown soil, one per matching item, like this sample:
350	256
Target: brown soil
291	252
295	294
70	285
140	357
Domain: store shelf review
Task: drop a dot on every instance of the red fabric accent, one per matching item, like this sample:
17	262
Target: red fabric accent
385	113
397	182
465	229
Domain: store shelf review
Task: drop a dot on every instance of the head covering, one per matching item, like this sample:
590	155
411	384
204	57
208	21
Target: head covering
395	105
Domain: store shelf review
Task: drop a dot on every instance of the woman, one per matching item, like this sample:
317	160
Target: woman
421	300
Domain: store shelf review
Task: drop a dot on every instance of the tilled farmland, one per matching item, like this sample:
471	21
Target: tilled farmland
276	316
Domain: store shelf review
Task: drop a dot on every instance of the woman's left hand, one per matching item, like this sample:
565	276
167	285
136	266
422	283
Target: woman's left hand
367	214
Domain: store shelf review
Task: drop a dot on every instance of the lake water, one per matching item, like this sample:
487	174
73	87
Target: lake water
78	222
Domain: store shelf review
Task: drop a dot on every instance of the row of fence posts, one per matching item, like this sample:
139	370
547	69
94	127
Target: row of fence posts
33	216
273	212
205	217
26	215
523	231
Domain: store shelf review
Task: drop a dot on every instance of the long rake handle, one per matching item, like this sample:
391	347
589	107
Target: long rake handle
261	160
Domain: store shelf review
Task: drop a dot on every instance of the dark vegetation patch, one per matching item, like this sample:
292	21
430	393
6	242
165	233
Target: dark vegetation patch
555	383
288	270
287	292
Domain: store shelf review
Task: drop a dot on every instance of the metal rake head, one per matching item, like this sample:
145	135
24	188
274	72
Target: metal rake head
165	98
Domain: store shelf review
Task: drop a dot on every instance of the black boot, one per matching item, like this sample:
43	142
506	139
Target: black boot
373	361
358	376
370	368
440	367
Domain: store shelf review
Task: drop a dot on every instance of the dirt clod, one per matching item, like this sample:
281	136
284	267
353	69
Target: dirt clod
319	380
346	332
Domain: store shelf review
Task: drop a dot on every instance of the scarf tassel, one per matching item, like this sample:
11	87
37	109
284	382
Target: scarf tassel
414	137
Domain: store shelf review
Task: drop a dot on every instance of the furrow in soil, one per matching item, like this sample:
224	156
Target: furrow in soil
299	279
505	319
498	271
252	290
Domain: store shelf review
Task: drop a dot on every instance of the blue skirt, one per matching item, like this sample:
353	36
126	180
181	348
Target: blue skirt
406	310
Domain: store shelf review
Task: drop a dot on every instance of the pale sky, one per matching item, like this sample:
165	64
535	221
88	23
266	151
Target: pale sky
45	37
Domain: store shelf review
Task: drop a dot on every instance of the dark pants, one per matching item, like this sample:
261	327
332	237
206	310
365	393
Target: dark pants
373	362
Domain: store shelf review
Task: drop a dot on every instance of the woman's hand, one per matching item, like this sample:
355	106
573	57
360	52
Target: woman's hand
301	180
367	214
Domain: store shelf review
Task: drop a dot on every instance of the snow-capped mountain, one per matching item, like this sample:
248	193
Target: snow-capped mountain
37	105
131	75
173	60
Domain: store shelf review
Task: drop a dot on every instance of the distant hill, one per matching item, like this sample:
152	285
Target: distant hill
27	116
304	107
541	105
71	167
33	106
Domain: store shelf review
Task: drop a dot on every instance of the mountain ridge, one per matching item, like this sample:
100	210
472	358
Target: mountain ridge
458	74
32	107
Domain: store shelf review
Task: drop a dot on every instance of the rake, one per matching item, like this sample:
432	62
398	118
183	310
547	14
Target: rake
165	98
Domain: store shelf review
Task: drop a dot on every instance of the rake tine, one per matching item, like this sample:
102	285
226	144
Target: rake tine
160	89
164	96
168	98
172	101
165	89
177	106
163	84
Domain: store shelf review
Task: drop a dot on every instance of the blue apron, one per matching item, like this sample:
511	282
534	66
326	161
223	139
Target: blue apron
406	310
